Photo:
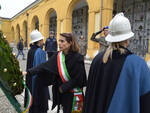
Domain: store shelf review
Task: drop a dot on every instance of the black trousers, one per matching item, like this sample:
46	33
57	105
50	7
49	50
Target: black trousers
50	54
40	97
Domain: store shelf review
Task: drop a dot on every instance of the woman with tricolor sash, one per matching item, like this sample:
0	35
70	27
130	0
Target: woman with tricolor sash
66	72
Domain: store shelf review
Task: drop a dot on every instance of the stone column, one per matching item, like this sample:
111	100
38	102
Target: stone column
67	24
45	30
105	15
58	27
107	11
92	46
148	53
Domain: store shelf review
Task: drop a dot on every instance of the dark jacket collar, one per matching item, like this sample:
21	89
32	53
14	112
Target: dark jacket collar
34	46
117	54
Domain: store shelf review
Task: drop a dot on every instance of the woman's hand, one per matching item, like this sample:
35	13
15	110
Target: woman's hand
24	73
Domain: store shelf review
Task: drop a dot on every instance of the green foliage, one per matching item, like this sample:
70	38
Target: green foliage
10	75
145	0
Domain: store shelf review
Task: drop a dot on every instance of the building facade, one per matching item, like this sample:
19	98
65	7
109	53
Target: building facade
138	12
81	17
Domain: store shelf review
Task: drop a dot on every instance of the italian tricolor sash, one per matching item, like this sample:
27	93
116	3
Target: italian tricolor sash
78	97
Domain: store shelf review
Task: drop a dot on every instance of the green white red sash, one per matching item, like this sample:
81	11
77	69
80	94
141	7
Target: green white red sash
29	98
78	97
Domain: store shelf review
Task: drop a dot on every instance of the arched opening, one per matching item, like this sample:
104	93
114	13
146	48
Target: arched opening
138	12
25	33
13	35
53	22
18	33
80	22
35	23
50	23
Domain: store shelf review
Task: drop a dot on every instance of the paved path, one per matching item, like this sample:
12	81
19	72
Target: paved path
6	107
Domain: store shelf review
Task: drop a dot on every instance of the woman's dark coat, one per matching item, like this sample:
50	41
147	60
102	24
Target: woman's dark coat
76	69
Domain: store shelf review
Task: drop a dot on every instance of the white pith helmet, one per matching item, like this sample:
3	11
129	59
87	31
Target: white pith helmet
119	29
36	36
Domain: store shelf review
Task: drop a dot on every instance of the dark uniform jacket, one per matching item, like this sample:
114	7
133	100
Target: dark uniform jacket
100	40
76	69
51	45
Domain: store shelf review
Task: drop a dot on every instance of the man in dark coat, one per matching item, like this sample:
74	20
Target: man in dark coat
51	44
20	49
119	81
35	57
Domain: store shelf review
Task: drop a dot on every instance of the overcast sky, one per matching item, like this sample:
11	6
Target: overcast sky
9	8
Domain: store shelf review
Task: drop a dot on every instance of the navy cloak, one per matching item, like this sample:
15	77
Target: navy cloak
122	85
36	56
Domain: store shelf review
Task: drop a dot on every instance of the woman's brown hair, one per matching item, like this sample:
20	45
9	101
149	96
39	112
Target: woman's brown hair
71	39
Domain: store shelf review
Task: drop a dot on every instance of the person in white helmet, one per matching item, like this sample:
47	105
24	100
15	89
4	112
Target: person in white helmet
35	57
119	81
